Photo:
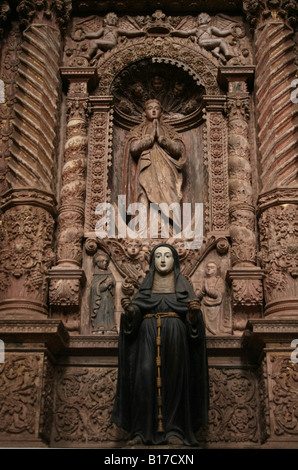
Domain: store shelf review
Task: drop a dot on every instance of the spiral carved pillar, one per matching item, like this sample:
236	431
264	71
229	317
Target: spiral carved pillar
67	277
273	25
245	276
28	200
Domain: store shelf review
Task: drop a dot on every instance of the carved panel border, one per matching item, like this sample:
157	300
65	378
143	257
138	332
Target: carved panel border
216	158
99	158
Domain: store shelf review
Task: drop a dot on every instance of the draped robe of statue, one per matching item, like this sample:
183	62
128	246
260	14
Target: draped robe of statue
156	176
183	371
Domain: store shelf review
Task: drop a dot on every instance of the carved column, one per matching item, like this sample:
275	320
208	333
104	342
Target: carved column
275	55
245	276
278	215
273	24
67	276
28	207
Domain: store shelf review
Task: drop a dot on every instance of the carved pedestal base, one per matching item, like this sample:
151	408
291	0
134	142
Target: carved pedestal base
27	380
280	368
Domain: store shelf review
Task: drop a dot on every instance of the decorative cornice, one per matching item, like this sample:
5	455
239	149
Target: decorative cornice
80	74
28	196
141	8
277	196
227	74
51	332
282	330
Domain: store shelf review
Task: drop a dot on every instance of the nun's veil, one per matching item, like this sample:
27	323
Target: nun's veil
183	288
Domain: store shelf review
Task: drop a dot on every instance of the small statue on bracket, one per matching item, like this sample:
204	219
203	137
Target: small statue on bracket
102	296
211	294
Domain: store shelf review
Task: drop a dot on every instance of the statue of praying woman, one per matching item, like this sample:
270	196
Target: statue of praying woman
154	157
162	390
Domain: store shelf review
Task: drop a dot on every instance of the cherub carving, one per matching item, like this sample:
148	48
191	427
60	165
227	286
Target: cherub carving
205	33
106	37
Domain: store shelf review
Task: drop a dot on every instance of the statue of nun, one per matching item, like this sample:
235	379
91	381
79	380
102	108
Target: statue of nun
162	392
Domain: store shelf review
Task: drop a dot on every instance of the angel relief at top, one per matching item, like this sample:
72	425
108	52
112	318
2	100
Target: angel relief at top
224	38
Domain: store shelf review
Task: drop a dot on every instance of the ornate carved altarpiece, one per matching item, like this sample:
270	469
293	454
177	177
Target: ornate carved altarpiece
75	77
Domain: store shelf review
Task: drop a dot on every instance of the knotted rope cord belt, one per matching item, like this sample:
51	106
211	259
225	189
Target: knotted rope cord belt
158	317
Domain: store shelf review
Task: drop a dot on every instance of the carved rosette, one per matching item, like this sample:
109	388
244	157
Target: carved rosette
279	251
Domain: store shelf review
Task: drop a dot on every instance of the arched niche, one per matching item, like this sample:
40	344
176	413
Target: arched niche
194	60
180	92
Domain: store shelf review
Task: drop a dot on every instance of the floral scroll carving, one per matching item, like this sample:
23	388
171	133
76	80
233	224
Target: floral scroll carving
233	405
26	253
283	394
279	251
84	401
20	378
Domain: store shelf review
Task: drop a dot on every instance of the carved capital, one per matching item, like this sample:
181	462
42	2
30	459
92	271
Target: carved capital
261	11
65	286
54	12
247	286
237	107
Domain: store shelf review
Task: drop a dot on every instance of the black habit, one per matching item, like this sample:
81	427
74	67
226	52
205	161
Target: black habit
183	365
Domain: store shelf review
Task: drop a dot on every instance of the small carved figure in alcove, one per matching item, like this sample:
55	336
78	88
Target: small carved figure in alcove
211	293
205	37
102	295
106	37
158	88
139	95
153	161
